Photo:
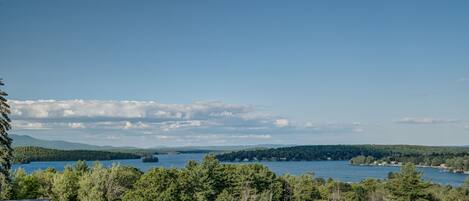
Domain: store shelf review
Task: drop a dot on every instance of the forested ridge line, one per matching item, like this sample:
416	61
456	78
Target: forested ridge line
31	153
453	163
342	152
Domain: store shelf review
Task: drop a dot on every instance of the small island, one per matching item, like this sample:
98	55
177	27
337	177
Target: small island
150	159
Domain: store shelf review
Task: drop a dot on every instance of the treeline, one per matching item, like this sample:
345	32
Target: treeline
458	164
446	161
213	181
343	152
29	154
363	160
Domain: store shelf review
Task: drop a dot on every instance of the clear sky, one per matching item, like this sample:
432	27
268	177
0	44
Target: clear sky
150	73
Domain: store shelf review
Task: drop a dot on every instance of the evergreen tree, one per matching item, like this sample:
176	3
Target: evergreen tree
65	187
6	152
25	186
156	184
92	185
408	185
106	184
45	179
81	167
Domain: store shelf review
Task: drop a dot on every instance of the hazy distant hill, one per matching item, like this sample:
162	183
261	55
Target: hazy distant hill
25	140
216	148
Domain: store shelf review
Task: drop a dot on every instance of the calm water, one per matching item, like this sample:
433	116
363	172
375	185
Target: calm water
339	170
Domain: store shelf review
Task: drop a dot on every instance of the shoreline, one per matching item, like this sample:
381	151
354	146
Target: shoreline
418	166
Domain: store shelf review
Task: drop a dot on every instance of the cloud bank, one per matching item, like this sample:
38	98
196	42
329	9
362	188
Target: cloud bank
209	122
426	120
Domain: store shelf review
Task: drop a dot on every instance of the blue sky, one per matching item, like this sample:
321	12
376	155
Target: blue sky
238	72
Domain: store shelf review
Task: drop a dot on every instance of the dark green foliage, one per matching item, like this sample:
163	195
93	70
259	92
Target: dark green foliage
451	161
210	180
28	154
316	152
408	185
150	159
81	166
457	164
6	152
45	179
346	152
65	185
301	188
359	160
455	159
157	184
25	186
101	184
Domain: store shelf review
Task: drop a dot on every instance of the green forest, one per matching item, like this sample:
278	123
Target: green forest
29	154
210	180
458	164
454	159
344	152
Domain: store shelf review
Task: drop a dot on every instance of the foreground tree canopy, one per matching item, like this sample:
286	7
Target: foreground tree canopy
210	180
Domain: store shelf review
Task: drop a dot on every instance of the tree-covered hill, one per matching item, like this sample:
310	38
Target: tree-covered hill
26	141
28	154
341	152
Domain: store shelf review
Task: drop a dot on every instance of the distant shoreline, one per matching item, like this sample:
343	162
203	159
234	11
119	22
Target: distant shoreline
418	166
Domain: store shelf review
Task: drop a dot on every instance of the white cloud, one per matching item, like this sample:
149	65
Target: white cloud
136	125
199	123
425	120
76	125
252	136
167	126
164	137
355	127
281	122
148	110
128	125
145	115
222	114
68	113
24	125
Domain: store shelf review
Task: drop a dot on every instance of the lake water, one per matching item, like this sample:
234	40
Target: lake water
338	170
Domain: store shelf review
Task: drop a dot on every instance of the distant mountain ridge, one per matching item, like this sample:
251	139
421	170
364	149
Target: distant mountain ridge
25	140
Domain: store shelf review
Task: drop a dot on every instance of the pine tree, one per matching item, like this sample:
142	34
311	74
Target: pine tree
408	185
6	152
